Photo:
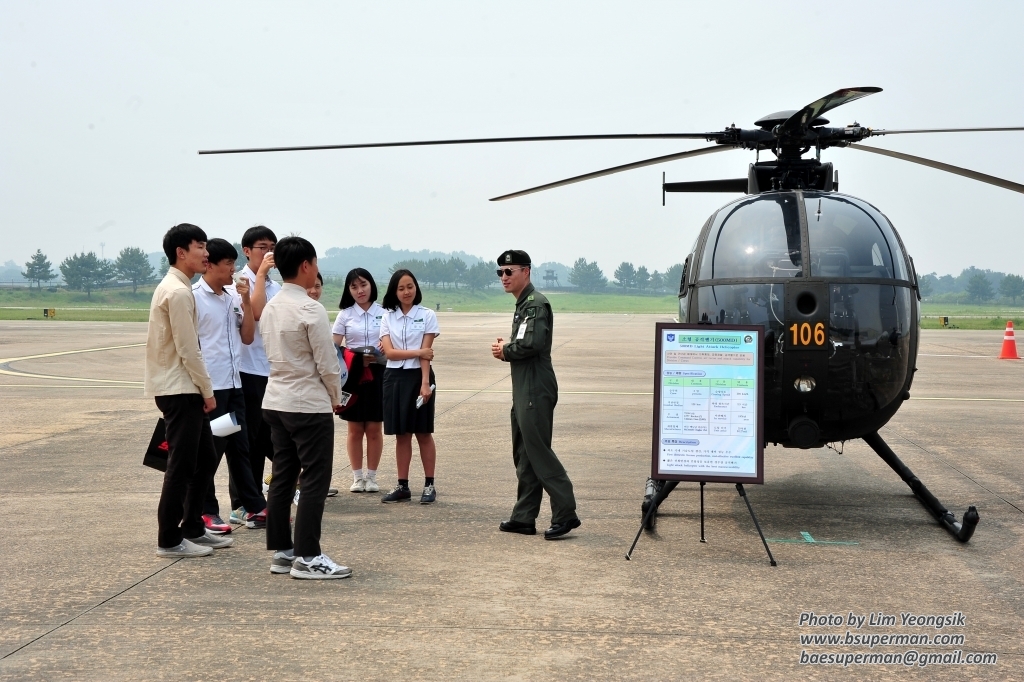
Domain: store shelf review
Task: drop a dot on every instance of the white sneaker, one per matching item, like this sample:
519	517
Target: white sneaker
320	568
185	549
212	541
358	486
282	562
370	485
332	492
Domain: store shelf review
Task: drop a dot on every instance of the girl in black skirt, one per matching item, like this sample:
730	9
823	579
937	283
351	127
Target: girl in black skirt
407	333
358	328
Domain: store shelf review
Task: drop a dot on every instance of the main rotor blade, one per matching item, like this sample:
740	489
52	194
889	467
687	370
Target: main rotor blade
616	169
942	130
956	170
803	118
478	140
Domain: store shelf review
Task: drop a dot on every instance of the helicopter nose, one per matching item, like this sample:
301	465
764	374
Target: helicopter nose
804	432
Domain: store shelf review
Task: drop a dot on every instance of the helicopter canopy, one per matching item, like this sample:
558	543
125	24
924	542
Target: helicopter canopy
763	237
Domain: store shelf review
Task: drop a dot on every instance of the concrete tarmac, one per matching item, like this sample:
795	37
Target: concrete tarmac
438	592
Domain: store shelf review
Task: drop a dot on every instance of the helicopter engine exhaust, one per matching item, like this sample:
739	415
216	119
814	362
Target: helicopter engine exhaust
961	531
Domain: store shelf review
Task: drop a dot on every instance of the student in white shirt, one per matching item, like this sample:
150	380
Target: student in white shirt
407	333
358	327
226	325
258	246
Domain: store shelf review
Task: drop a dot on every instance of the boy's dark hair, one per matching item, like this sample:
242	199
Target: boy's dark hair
355	273
320	277
254	234
181	235
290	253
219	250
391	296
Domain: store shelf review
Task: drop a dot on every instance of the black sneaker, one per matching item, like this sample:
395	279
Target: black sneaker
397	495
429	495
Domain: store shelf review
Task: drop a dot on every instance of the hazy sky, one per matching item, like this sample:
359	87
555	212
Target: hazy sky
104	106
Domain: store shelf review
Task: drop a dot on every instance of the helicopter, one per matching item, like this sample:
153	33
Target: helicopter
825	274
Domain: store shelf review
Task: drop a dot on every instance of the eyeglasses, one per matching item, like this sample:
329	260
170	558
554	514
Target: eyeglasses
262	247
506	271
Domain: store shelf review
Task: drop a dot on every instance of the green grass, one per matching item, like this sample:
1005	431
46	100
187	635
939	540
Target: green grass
78	315
966	316
76	306
109	298
493	301
972	323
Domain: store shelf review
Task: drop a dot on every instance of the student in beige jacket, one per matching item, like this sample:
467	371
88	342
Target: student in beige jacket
177	379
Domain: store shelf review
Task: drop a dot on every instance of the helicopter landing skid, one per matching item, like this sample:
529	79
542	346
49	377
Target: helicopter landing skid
961	531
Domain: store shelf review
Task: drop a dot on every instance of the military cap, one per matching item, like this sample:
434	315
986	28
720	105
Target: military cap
514	257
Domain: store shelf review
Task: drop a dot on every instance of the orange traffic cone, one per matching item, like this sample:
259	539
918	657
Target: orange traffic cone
1009	351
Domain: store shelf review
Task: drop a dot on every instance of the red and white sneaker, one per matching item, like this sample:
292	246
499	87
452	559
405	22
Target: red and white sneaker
215	524
256	520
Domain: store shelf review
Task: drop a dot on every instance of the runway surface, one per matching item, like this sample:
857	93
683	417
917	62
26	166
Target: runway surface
438	592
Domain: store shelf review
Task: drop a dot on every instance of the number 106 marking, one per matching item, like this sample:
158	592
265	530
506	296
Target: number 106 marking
803	334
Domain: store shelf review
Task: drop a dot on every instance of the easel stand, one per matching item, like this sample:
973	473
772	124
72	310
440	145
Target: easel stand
656	502
743	494
702	512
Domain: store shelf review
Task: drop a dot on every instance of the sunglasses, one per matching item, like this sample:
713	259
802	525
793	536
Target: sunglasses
506	271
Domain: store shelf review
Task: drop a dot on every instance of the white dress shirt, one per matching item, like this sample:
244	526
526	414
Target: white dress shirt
254	358
220	333
360	327
305	375
407	331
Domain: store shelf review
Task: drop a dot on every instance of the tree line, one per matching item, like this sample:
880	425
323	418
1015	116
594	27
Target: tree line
971	285
583	275
589	277
86	271
441	272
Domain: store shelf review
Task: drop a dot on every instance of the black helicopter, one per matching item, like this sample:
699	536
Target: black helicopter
824	273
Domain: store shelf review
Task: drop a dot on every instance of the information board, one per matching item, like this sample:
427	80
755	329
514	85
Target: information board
708	407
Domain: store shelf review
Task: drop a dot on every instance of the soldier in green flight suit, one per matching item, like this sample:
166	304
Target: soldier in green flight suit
534	395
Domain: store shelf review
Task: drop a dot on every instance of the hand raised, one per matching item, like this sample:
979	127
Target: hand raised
267	264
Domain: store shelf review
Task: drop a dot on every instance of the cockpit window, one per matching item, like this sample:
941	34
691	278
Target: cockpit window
758	237
849	238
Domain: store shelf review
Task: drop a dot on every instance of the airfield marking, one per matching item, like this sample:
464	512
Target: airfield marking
65	386
978	400
950	355
6	370
4	361
806	539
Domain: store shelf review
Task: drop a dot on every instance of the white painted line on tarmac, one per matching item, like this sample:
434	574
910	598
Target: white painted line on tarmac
937	355
977	400
65	386
32	375
4	361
